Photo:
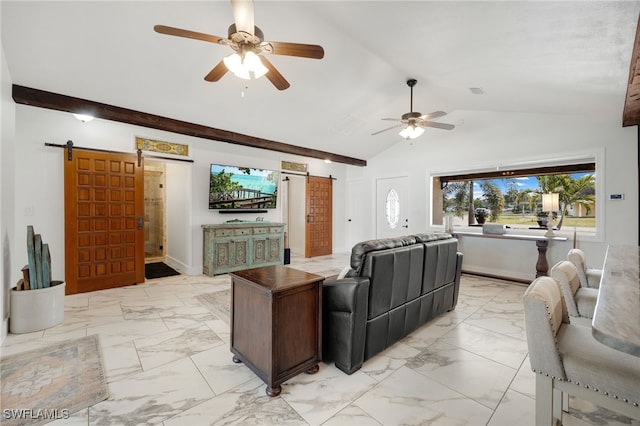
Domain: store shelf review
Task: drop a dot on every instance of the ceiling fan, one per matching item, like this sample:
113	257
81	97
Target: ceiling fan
413	122
248	44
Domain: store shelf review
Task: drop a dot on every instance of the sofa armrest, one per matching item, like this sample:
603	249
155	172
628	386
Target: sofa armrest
344	305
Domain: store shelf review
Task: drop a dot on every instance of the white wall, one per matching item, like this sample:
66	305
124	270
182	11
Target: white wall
492	139
39	181
487	139
7	183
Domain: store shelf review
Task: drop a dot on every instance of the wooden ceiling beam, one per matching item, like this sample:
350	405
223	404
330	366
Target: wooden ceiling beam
631	112
40	98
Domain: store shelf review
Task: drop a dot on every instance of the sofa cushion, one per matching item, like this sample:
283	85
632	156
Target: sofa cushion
432	236
360	250
395	277
440	263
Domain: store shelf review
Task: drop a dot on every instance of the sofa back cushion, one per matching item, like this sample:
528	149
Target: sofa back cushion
395	277
440	258
360	250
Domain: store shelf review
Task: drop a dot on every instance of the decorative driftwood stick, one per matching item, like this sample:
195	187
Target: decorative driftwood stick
46	266
37	274
31	253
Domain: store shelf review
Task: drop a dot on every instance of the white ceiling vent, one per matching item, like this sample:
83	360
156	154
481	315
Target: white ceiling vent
476	90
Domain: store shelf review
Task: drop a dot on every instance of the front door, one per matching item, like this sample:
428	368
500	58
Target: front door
392	207
104	235
319	208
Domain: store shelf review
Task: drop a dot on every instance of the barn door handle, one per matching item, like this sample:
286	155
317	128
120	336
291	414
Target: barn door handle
140	223
308	218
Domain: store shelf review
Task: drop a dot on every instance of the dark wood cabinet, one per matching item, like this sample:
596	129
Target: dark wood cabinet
276	322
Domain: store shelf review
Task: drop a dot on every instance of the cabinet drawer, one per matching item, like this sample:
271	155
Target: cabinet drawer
242	231
223	232
260	231
277	230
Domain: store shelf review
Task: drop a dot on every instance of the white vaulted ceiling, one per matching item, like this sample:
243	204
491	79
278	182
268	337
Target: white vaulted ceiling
543	57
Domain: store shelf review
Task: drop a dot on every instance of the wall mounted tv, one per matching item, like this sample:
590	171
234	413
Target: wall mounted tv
248	189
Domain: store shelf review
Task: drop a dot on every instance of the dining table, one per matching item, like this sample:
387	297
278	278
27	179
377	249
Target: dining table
616	320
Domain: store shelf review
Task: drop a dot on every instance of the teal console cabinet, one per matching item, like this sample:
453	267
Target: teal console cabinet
230	247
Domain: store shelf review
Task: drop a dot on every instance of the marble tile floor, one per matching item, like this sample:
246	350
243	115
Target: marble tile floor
167	361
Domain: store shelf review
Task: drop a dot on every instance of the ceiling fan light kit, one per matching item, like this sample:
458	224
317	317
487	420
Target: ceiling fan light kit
246	65
411	132
415	122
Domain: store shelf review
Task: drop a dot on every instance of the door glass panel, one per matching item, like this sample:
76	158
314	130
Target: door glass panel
392	208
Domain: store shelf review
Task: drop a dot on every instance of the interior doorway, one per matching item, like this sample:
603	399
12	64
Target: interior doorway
309	215
155	212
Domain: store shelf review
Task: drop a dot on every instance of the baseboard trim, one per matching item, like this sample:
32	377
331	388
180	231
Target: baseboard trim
178	266
499	277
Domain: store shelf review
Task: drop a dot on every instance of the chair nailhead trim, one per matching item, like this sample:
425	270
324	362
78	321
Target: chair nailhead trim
635	404
625	399
606	393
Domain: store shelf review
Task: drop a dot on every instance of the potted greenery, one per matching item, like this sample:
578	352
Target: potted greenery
481	215
542	218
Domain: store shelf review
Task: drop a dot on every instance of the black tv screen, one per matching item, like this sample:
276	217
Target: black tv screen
232	187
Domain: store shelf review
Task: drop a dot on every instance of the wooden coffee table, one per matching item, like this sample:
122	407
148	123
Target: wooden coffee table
276	322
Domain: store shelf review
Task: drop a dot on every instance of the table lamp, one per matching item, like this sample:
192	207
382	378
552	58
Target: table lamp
550	204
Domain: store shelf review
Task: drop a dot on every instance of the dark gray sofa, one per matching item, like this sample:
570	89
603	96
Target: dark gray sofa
394	286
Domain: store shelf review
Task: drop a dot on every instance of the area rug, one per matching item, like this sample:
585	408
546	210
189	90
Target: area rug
158	270
219	303
53	382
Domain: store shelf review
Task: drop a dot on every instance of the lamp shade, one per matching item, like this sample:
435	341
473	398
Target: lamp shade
551	202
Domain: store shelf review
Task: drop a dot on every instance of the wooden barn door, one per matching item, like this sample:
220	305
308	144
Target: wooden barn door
104	233
319	206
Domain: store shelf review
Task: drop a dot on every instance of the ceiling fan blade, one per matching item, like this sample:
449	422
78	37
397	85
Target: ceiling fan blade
443	126
312	51
433	115
163	29
217	72
274	75
243	15
388	128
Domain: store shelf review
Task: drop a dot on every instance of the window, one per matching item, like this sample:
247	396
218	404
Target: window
392	208
514	197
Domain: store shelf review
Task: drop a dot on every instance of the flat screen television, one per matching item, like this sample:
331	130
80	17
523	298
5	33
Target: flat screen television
242	188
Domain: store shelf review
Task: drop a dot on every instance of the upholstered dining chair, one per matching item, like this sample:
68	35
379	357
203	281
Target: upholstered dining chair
589	277
568	360
580	301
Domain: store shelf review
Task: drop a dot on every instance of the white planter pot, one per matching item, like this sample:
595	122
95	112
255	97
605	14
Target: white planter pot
33	310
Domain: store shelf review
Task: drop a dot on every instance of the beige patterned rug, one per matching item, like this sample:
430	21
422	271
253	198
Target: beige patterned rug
219	303
51	383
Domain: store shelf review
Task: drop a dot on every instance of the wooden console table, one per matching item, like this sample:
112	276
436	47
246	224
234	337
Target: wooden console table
276	322
233	246
542	243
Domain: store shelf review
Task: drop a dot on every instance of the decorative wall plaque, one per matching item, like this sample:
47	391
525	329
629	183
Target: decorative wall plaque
163	147
294	167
